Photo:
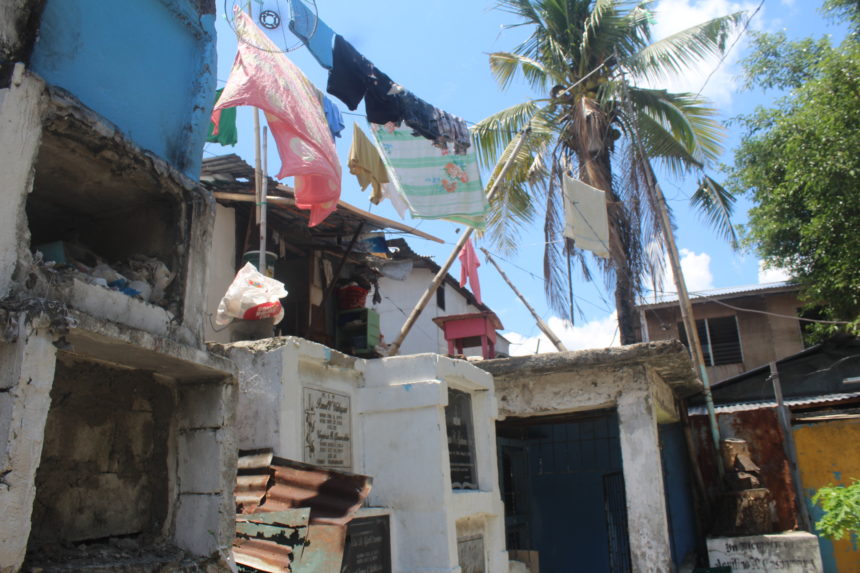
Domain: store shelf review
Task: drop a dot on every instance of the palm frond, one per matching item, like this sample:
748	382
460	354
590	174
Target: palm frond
494	133
505	67
685	117
679	52
715	204
663	146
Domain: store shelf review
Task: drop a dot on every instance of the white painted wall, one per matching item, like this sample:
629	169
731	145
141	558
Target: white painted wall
398	300
221	271
398	437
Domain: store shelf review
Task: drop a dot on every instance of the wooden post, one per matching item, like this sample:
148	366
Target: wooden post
443	271
686	307
789	448
541	324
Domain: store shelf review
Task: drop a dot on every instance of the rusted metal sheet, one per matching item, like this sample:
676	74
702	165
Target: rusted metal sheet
324	551
271	542
760	428
252	479
270	536
332	496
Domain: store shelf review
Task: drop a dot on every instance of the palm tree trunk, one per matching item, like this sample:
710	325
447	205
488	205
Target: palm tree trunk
593	149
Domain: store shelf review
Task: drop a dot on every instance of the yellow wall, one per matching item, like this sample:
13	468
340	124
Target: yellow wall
828	453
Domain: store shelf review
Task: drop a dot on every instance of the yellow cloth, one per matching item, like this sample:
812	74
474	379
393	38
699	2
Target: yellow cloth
366	164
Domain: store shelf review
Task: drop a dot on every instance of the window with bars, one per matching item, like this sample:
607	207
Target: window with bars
720	338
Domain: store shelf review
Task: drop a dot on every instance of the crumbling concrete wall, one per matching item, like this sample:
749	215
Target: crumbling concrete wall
19	20
21	107
127	436
104	461
26	374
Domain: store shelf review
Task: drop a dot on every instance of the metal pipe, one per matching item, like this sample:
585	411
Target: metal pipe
262	204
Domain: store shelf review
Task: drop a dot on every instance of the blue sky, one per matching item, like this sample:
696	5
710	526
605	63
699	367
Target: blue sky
438	50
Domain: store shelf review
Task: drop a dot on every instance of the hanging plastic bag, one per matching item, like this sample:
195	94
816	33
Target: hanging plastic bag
251	296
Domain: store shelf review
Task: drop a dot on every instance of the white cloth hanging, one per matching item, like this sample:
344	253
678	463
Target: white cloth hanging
585	217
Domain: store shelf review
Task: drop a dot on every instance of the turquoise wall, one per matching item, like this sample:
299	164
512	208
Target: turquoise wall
148	66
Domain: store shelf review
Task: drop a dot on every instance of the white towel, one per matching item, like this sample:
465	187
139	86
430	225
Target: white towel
435	184
585	217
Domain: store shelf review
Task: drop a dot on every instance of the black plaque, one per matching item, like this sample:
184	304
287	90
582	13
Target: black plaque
461	440
368	546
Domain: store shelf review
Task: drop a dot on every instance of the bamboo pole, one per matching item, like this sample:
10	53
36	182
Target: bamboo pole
443	271
262	202
541	324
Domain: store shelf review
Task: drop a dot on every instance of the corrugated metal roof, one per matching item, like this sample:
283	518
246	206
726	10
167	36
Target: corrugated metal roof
270	534
721	293
332	496
791	403
271	542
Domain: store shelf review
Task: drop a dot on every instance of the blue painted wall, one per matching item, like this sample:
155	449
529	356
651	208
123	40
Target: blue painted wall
148	66
679	495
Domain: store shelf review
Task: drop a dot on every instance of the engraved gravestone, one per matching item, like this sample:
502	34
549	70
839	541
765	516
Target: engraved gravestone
461	440
327	429
368	546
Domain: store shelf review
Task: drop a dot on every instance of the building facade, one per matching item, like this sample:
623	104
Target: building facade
740	328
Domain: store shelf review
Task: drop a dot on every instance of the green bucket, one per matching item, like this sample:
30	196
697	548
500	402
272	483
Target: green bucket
253	257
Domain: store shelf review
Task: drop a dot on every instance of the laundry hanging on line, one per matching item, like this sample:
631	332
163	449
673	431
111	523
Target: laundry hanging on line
316	35
265	78
333	116
434	183
585	217
226	133
353	78
469	264
366	164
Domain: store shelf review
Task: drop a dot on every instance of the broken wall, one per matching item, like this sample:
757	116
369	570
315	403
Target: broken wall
104	459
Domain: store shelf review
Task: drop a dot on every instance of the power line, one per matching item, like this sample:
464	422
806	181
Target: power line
726	53
701	295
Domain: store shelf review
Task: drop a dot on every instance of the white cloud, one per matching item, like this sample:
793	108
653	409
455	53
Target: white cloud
672	16
697	272
771	275
595	334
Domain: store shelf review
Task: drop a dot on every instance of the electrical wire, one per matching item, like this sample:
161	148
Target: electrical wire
700	295
726	53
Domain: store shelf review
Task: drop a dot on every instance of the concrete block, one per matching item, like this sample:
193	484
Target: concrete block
791	552
200	521
202	405
200	455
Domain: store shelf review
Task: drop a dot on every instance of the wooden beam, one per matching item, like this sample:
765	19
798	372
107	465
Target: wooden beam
289	201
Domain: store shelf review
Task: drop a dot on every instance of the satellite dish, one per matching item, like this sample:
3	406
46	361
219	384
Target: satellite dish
273	18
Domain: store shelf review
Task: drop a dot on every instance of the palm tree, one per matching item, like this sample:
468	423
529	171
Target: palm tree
588	59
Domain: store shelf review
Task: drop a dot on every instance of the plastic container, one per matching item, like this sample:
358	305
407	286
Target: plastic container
350	297
253	257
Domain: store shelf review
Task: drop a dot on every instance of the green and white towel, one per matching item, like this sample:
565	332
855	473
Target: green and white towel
436	183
